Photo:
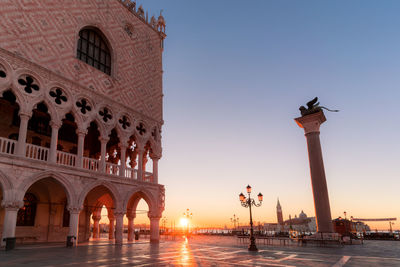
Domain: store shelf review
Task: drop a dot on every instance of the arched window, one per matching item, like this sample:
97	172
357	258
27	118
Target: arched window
26	214
66	216
93	50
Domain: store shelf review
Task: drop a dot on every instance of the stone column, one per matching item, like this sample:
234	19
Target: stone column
103	142
119	228
140	174
111	228
53	143
123	146
10	219
311	124
81	146
131	228
96	226
155	229
74	223
23	130
155	169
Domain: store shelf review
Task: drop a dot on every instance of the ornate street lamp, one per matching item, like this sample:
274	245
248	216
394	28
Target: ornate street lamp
247	203
235	220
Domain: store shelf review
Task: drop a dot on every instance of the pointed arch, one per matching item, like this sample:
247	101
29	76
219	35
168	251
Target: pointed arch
5	182
61	179
50	109
132	199
109	186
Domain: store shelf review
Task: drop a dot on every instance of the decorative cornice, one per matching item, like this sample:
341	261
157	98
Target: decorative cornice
156	25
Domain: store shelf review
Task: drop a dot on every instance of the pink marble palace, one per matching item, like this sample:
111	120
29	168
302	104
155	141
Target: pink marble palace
80	118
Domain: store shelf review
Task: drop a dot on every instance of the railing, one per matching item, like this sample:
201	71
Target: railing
66	158
7	146
37	152
112	168
90	164
130	173
148	177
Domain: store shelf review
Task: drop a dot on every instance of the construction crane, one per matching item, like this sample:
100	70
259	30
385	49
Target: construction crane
390	220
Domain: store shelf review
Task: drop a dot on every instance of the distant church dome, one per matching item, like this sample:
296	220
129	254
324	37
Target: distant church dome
302	215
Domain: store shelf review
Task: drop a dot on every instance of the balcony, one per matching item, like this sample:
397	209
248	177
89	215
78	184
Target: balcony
8	146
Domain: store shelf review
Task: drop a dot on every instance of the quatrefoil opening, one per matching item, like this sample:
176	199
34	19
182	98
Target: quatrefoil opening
105	114
83	106
141	129
3	74
28	84
124	121
58	96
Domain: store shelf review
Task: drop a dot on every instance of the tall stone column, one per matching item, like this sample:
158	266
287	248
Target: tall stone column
155	169
96	226
131	228
140	174
53	143
74	223
10	219
123	146
81	146
103	142
23	130
155	229
119	228
311	124
111	228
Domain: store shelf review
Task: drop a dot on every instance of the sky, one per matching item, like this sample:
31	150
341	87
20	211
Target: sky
235	74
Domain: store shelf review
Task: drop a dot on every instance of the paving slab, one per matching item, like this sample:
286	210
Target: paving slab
201	251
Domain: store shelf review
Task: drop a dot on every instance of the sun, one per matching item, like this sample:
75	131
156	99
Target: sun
184	222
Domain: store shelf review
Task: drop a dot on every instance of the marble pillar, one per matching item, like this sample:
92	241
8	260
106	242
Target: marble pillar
311	124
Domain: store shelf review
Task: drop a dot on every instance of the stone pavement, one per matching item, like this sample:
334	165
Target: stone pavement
202	251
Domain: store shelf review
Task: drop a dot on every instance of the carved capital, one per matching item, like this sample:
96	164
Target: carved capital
12	205
119	213
103	139
25	115
81	132
96	218
74	210
55	124
311	123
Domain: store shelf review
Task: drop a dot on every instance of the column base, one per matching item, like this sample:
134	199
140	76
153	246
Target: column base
252	247
154	241
324	236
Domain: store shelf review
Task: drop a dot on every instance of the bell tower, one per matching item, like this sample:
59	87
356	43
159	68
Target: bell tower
279	213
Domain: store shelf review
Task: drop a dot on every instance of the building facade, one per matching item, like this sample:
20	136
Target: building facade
80	118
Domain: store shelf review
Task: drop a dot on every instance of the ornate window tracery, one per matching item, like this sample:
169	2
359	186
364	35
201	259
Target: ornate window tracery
29	84
26	214
93	49
58	96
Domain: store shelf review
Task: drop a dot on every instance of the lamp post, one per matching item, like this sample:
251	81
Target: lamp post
247	203
164	222
188	215
235	220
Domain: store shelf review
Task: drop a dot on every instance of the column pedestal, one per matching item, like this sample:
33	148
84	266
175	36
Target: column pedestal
311	124
131	228
74	224
119	227
155	229
96	226
10	220
111	228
